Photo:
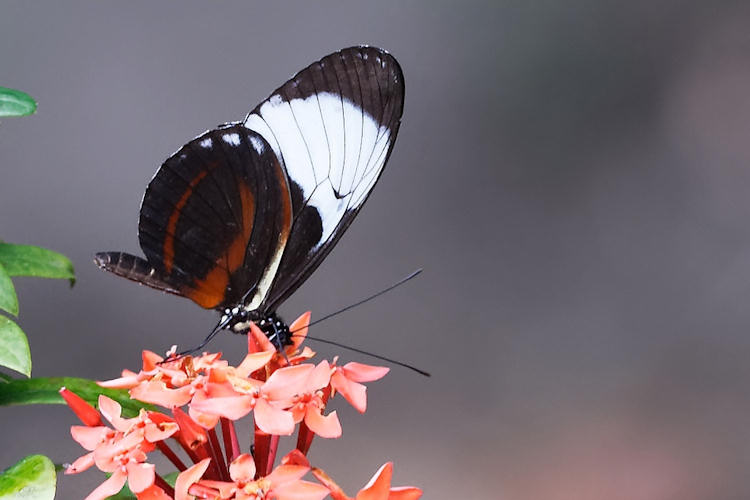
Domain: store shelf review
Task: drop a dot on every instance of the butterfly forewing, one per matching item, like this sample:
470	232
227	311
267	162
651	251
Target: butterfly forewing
332	126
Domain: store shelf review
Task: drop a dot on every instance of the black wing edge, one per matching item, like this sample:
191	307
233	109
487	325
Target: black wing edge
362	52
135	269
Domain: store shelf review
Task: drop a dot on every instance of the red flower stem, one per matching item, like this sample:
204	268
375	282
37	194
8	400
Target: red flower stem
262	445
190	453
272	448
164	448
216	456
231	443
161	483
194	440
304	438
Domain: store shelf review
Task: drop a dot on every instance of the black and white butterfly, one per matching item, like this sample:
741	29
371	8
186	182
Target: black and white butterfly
240	216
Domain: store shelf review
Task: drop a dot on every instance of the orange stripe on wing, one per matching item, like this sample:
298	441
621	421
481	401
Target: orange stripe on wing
238	247
210	291
172	223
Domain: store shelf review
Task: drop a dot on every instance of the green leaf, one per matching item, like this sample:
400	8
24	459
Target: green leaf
29	260
31	478
43	390
14	348
16	103
8	299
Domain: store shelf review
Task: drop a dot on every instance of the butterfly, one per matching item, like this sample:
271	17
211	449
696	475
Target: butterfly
239	217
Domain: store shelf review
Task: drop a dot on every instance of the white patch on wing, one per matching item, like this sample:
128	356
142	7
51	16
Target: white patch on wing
308	120
354	130
293	151
206	143
329	146
330	208
232	139
256	123
257	144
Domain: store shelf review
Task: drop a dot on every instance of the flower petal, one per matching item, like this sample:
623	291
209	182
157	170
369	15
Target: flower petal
155	433
112	485
319	377
128	380
287	473
405	493
295	457
273	420
360	372
242	468
336	492
89	437
140	476
352	391
150	360
253	361
300	490
153	493
187	477
160	427
81	464
112	410
298	329
324	426
286	382
379	485
157	392
233	407
257	340
205	420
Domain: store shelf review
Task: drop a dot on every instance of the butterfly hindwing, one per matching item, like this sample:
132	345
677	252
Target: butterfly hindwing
214	215
332	126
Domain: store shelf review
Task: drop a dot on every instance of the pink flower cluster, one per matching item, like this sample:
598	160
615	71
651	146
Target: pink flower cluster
283	391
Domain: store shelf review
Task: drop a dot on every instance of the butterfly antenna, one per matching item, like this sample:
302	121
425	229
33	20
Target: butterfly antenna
219	327
390	360
359	303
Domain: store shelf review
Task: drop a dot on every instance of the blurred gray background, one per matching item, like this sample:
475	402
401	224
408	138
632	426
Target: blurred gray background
573	177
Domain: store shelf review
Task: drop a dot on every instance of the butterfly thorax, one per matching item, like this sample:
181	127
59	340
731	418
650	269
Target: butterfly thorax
271	324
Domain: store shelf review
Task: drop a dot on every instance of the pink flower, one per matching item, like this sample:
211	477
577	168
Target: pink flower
345	379
282	391
120	451
305	396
